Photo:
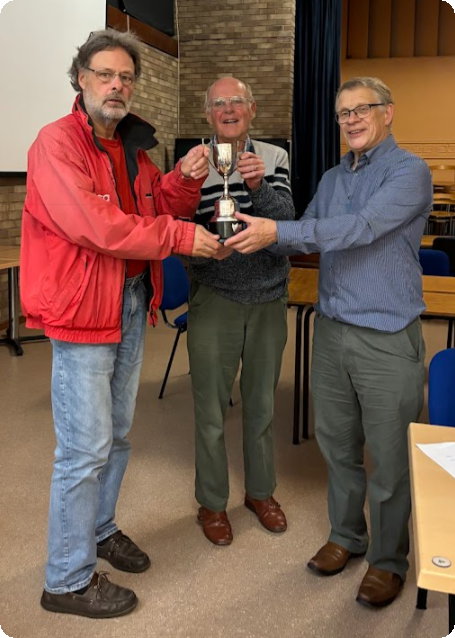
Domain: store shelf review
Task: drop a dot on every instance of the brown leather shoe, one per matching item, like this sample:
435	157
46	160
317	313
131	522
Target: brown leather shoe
379	587
215	526
269	513
331	559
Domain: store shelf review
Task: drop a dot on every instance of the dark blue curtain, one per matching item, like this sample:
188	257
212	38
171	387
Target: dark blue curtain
315	134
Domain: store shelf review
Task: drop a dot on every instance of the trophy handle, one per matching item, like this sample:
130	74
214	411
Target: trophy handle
207	141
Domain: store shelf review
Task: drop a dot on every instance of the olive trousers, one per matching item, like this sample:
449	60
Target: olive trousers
223	334
367	387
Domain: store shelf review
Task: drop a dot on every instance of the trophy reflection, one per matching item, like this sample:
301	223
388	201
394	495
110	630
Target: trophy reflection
224	223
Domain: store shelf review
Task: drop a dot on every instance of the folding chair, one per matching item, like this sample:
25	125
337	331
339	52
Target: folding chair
175	294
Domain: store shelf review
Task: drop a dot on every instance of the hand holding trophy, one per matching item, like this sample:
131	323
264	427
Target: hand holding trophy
224	223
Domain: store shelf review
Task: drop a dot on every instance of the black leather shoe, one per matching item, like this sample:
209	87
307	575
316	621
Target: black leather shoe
102	599
120	551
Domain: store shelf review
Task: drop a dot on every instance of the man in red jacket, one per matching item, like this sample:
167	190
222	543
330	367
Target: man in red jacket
98	219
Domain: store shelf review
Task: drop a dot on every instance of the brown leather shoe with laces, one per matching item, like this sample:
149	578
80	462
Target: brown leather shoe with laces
269	513
331	559
102	599
379	587
122	553
215	526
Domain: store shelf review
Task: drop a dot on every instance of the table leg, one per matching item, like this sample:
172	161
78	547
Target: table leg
450	334
421	598
451	612
297	369
12	335
306	372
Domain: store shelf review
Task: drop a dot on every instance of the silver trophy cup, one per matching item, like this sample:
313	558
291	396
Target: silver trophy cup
224	223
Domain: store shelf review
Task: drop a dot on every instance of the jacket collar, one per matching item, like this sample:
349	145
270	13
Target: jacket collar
134	132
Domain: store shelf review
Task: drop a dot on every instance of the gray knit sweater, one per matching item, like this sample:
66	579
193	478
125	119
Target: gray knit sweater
261	276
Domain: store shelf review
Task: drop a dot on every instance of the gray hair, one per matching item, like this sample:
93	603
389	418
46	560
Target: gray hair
101	41
247	87
375	84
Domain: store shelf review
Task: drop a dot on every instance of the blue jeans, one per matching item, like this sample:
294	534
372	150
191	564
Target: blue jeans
94	388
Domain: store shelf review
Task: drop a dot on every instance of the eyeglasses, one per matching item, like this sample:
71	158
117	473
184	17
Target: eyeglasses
105	76
219	103
360	111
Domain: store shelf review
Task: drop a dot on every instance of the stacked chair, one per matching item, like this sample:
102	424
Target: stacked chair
442	218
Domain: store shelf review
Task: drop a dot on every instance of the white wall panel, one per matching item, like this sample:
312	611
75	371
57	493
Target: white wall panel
38	39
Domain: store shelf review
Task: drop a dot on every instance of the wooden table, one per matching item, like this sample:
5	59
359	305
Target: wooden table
433	516
427	241
435	284
9	256
10	261
439	298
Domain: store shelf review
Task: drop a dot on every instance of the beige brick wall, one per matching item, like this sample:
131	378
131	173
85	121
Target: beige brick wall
253	41
155	101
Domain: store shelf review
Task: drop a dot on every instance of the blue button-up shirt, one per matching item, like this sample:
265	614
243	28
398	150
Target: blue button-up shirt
367	223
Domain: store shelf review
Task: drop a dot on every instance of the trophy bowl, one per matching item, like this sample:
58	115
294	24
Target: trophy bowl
224	222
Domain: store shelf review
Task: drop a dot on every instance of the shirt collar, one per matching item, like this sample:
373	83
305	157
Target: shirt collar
372	155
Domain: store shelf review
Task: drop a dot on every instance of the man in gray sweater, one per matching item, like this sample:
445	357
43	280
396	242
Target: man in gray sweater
237	314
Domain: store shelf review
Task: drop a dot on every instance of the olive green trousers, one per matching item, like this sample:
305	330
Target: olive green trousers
223	334
367	387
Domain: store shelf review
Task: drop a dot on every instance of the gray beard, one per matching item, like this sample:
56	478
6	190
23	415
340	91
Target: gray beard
106	114
109	114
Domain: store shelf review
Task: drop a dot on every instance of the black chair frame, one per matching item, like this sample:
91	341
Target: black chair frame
181	328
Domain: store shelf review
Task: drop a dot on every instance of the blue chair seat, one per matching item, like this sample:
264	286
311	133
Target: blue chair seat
176	288
434	262
441	384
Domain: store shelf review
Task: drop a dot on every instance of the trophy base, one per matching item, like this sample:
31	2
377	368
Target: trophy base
225	228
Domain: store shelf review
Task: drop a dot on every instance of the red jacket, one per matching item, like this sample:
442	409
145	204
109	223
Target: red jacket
75	238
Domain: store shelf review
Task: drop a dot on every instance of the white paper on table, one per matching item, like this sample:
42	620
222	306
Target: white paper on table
441	453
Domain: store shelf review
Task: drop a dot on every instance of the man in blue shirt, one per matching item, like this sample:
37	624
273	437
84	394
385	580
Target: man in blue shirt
366	221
